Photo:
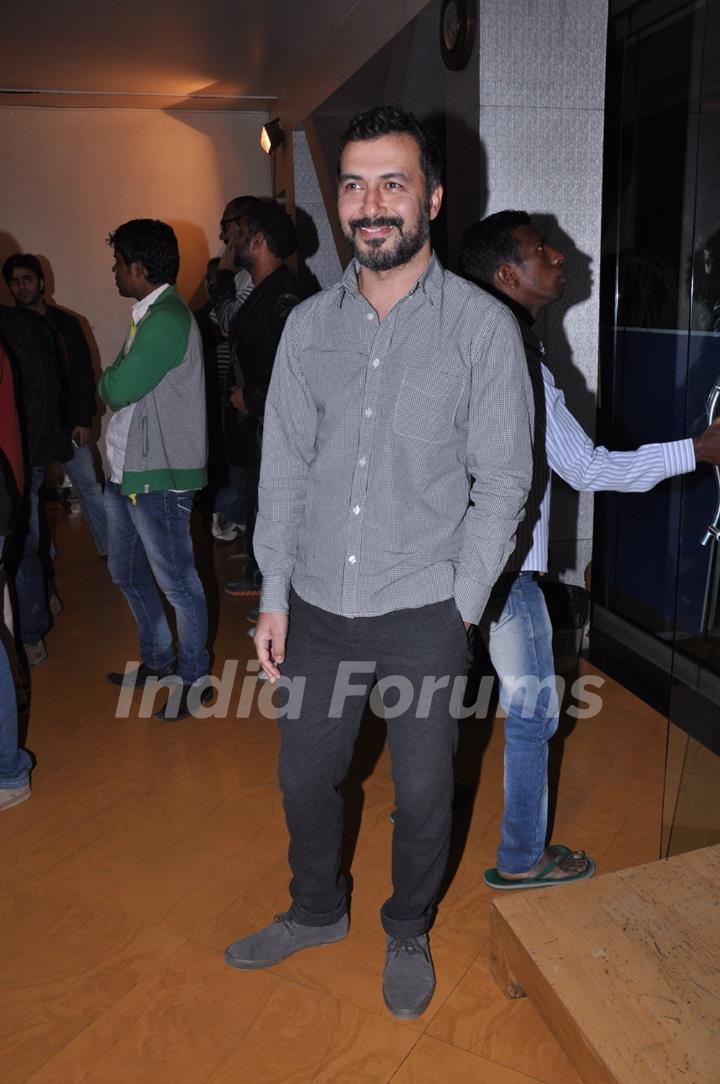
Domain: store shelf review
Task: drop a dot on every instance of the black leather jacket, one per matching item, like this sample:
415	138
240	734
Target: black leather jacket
78	366
40	381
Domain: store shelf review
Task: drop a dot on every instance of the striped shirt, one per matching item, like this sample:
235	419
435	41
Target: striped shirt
373	432
564	447
224	310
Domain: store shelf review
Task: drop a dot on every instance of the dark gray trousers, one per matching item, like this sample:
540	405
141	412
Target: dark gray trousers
340	658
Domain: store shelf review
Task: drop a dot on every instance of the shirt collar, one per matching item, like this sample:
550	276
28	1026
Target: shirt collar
430	282
140	308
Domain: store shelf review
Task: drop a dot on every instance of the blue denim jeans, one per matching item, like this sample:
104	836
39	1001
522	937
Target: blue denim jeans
14	763
81	472
518	635
151	538
232	501
29	570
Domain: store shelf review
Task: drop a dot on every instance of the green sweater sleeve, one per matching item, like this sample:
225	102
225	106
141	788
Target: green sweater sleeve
159	345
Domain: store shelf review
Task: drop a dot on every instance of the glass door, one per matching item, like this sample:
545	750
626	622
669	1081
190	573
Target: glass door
691	815
656	559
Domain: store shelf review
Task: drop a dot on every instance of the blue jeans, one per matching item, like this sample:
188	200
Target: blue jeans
151	538
232	500
14	763
81	472
30	577
518	635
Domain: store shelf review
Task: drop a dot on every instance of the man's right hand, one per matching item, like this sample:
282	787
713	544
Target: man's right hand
707	445
237	399
270	637
227	260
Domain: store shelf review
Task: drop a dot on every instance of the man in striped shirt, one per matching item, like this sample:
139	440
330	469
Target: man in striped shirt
509	257
389	391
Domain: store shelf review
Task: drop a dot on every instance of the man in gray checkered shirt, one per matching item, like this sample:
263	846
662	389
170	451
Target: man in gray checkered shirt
396	462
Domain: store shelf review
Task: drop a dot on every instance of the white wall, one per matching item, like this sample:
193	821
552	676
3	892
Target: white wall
541	114
70	176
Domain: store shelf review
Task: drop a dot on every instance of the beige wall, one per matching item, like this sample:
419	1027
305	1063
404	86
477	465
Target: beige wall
69	176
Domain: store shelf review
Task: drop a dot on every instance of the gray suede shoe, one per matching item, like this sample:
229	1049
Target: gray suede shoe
275	943
409	979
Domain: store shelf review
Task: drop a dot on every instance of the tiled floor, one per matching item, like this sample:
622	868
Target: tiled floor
147	847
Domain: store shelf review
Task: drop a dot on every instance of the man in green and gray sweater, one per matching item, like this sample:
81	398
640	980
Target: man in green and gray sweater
156	446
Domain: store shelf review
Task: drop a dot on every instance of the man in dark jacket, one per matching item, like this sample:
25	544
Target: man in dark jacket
24	276
264	238
15	763
34	352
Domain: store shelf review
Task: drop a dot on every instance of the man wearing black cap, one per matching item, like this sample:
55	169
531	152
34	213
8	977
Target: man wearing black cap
263	239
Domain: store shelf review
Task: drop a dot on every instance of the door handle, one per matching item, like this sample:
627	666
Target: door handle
712	407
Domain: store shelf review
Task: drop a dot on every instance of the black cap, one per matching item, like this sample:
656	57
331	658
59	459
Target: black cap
275	223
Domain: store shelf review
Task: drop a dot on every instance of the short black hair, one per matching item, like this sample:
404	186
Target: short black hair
22	259
489	243
153	243
265	215
384	120
237	205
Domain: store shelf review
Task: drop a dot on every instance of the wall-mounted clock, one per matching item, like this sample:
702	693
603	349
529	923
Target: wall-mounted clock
457	32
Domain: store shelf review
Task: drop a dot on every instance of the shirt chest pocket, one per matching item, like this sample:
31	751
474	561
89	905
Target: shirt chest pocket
426	405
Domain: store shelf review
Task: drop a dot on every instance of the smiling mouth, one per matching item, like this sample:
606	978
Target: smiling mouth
376	235
377	230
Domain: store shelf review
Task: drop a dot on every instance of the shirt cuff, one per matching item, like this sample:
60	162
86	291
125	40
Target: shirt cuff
275	595
678	457
471	598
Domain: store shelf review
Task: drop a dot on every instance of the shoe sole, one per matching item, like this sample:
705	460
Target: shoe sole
493	879
255	965
16	801
409	1014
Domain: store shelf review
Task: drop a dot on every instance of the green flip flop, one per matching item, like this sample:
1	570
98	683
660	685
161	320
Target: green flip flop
541	879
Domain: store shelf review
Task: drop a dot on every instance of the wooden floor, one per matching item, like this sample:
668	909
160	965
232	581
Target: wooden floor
624	969
147	847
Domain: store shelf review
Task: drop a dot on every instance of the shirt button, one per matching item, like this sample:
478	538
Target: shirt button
371	316
376	362
362	461
368	413
356	510
352	559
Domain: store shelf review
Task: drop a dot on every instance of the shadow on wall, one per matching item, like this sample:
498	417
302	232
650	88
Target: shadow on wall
50	288
568	376
466	183
194	255
308	245
8	246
